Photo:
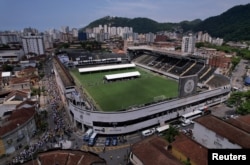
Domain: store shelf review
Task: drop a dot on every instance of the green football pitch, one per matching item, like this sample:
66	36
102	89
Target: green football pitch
123	94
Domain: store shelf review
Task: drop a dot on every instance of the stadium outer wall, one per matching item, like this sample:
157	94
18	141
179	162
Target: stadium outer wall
140	118
122	122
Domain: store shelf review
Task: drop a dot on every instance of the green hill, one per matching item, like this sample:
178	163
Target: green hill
140	25
234	24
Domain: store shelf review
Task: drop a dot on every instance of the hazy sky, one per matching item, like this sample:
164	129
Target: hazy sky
46	14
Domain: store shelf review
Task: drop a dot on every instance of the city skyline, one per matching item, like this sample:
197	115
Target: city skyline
44	15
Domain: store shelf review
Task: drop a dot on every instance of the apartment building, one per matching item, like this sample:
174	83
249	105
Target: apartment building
188	44
33	44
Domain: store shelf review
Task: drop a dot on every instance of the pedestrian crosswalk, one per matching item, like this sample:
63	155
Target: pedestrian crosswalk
98	149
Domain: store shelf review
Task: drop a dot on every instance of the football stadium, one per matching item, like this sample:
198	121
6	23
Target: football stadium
114	94
125	90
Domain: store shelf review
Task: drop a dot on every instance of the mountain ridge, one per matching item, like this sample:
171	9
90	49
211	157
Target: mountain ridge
233	24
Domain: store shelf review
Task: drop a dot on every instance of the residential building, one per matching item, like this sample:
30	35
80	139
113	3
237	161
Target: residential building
29	31
65	29
150	37
207	133
33	44
48	41
188	44
152	150
6	38
11	55
20	83
75	32
185	148
16	129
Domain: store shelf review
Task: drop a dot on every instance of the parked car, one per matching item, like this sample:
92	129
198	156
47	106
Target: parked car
187	122
114	141
107	141
148	132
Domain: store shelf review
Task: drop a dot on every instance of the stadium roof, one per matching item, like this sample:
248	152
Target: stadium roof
108	67
122	75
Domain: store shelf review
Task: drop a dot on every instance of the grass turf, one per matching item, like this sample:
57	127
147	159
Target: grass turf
114	96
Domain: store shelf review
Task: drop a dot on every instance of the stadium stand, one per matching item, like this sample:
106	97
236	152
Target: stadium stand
218	81
177	66
206	75
181	67
194	69
203	71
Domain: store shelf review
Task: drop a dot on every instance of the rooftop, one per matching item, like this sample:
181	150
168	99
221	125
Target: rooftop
63	73
155	147
6	74
191	149
242	122
67	157
17	117
229	131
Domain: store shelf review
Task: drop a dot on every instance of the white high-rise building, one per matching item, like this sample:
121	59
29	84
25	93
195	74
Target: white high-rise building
75	32
105	28
188	44
65	29
113	31
33	44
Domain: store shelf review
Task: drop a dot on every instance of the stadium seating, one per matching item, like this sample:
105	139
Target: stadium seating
195	69
177	66
218	81
207	74
178	69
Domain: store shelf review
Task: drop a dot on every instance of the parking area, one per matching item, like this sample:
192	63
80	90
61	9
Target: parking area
222	110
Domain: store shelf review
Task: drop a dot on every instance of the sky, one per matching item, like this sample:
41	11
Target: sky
48	14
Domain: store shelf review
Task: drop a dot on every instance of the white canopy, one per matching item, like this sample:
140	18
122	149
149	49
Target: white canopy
122	75
6	74
107	67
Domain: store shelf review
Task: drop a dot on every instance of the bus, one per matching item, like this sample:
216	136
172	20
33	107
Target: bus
92	139
191	115
87	134
163	128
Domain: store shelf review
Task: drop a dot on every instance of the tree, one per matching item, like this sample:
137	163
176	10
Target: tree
7	67
199	44
241	101
235	61
244	109
236	99
171	133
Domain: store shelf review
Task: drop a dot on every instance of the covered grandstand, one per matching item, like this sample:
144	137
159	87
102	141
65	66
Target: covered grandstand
80	57
106	67
122	76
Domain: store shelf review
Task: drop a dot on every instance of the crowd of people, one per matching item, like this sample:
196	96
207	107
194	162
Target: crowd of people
55	132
